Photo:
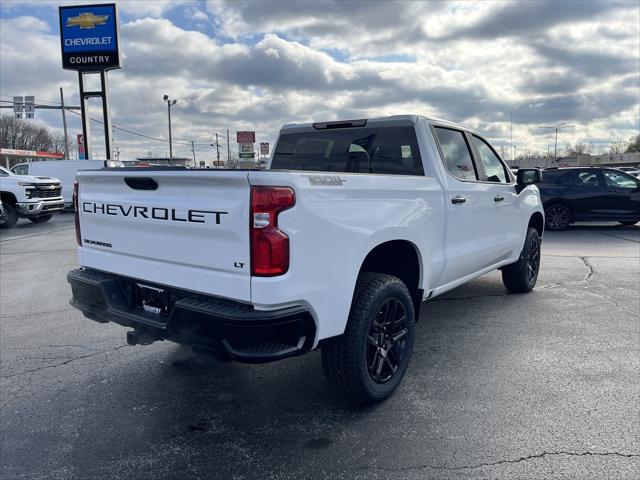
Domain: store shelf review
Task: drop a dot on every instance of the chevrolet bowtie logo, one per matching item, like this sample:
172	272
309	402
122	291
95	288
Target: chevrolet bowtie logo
87	20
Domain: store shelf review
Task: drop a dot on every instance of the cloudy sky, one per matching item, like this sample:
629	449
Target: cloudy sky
256	65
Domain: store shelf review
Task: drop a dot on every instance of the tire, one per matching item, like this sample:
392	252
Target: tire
521	276
368	361
11	215
41	218
628	223
557	217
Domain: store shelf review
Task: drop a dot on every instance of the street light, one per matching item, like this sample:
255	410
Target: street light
557	127
170	103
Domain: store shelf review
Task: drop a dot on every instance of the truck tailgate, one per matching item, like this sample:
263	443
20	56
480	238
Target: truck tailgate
187	229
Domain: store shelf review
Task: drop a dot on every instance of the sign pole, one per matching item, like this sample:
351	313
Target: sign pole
85	118
108	138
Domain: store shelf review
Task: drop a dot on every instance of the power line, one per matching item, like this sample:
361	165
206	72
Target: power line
123	129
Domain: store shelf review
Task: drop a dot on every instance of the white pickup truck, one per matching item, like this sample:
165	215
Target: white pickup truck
336	246
23	196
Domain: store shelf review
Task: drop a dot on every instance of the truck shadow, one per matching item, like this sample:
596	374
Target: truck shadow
236	418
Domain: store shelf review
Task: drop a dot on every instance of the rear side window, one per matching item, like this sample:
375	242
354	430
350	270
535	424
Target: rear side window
385	150
456	153
576	178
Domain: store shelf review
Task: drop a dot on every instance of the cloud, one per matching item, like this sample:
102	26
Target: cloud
257	65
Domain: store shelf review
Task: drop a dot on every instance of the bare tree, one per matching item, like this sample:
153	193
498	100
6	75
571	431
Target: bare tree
634	144
24	135
617	146
579	149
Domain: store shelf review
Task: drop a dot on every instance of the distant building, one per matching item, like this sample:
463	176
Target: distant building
579	160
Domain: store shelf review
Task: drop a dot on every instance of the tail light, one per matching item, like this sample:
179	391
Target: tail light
269	244
76	213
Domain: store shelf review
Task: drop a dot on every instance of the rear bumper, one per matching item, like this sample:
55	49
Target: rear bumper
40	207
230	330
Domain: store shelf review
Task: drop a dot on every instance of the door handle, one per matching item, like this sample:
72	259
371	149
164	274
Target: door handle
458	200
498	198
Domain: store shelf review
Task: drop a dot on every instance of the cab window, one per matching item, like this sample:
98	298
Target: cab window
21	169
456	153
493	167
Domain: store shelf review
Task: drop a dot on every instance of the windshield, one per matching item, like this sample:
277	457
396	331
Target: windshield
4	172
387	150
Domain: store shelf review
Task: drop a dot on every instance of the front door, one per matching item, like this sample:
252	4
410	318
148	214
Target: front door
622	199
468	243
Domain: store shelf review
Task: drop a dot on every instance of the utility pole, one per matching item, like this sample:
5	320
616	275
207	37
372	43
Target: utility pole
557	127
511	122
217	151
170	103
193	150
64	124
228	151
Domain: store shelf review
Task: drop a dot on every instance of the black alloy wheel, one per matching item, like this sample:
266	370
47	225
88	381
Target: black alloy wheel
533	259
367	362
522	275
387	340
557	217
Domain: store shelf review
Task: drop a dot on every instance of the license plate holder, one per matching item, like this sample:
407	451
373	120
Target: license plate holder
153	300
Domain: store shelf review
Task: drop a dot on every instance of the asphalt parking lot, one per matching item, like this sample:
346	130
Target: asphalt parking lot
541	385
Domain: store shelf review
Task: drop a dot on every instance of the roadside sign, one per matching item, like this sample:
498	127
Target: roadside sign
247	155
29	106
264	148
245	148
246	137
80	140
90	37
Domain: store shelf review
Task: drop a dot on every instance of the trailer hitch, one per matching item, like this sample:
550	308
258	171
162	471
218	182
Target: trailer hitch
140	337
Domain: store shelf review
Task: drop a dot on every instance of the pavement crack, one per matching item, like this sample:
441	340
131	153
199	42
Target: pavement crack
591	268
534	456
66	362
591	271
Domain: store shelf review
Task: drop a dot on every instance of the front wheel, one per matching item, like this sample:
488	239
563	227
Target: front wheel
557	217
521	276
10	216
368	361
628	223
41	218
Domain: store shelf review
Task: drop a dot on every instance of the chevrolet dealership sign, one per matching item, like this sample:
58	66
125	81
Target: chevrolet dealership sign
89	37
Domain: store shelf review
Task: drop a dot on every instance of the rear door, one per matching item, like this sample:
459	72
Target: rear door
585	193
186	229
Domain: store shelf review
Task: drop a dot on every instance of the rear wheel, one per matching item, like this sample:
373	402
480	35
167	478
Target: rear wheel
628	222
557	217
521	276
368	361
41	218
10	216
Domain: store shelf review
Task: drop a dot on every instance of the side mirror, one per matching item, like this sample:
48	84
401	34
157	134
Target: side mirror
528	176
